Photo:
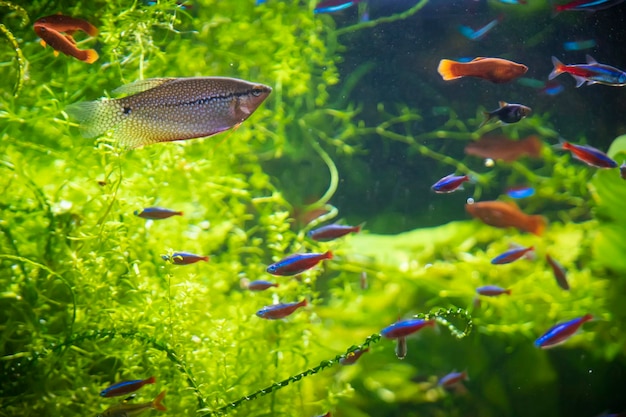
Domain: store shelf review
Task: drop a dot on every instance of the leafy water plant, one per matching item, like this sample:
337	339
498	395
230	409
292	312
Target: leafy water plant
87	299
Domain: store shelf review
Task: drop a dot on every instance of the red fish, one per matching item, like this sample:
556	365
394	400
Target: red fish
184	258
452	379
492	290
297	263
126	387
511	256
559	272
450	183
498	147
157	213
405	327
352	357
589	155
279	311
496	70
260	285
51	28
502	214
332	231
67	24
560	332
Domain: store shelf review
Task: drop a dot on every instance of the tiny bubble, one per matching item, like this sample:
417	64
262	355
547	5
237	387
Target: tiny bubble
489	162
470	200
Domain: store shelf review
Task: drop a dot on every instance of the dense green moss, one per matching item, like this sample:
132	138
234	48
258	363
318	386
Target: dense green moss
87	299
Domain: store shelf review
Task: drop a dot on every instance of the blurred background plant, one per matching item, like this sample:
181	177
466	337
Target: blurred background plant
87	299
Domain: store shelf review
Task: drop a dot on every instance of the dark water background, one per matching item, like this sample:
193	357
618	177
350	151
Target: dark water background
389	186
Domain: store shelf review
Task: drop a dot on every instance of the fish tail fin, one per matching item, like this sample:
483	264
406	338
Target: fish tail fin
328	255
558	68
587	317
95	117
538	224
157	403
205	258
507	291
179	213
447	69
91	56
303	303
487	116
150	380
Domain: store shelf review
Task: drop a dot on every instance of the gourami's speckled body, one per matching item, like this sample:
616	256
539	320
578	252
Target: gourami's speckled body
169	109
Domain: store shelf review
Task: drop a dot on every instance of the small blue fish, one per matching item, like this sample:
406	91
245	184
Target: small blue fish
332	6
520	192
452	379
511	255
579	45
559	272
331	232
184	258
514	2
552	88
126	387
450	183
492	290
561	332
405	327
279	311
586	5
157	213
260	285
478	34
297	263
588	154
591	73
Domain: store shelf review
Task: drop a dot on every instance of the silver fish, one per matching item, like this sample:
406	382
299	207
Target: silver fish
168	109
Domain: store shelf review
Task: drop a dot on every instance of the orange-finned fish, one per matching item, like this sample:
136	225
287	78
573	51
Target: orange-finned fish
496	70
169	109
51	28
128	410
507	150
126	387
503	214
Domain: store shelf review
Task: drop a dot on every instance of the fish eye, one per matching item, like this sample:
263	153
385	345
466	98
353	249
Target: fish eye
257	91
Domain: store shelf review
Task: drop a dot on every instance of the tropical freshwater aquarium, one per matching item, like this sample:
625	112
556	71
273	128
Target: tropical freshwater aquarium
385	208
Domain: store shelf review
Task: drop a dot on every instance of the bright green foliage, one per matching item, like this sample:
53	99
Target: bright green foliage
86	299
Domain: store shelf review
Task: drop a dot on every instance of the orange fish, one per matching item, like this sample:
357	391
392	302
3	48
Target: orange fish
57	30
500	147
496	70
503	214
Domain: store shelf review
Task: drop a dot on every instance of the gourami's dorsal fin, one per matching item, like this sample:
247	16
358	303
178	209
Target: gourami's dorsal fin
590	60
141	85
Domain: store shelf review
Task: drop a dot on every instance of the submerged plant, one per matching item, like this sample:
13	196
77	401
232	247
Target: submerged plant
88	300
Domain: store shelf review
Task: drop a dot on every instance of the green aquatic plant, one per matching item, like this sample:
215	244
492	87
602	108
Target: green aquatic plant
13	42
87	299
